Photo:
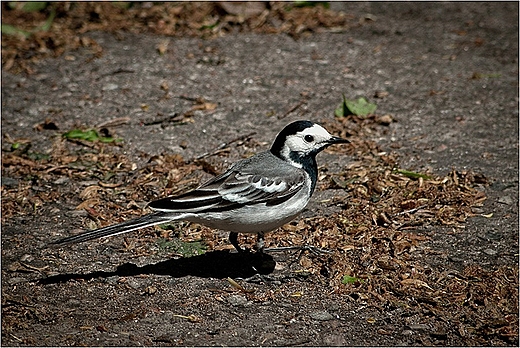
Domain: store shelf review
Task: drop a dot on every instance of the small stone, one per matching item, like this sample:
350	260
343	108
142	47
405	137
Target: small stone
26	258
490	252
335	340
88	183
61	181
381	94
385	120
476	210
110	87
455	259
112	280
505	200
237	300
76	213
74	302
322	315
132	283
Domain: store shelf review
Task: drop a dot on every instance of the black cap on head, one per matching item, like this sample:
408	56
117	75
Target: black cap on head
290	129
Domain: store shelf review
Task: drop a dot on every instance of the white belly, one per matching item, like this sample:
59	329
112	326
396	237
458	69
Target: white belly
254	218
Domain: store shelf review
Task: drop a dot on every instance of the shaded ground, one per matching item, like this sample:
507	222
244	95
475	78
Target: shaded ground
430	261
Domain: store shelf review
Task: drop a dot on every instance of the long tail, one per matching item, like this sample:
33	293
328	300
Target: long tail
127	226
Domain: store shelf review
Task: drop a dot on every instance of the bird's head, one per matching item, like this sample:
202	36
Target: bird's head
302	139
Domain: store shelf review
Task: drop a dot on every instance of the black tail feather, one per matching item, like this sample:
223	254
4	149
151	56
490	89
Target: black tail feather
127	226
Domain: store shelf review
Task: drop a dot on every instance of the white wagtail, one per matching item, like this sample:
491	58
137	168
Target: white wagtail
255	195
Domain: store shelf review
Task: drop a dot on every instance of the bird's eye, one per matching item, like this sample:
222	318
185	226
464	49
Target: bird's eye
309	138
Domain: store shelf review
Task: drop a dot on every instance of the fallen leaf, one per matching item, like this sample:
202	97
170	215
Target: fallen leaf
415	282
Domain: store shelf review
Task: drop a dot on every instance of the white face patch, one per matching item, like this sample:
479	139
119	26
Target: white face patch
306	141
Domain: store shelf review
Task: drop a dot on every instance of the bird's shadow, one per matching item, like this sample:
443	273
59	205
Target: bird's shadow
214	264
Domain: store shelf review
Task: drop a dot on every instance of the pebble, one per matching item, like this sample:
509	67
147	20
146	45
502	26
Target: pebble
490	252
476	210
505	200
112	280
455	259
26	258
88	183
62	180
237	300
418	326
322	315
74	302
110	87
76	213
132	283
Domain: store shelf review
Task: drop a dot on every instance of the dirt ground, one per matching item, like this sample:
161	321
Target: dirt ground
420	211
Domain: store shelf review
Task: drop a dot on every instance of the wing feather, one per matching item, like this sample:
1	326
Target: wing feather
235	187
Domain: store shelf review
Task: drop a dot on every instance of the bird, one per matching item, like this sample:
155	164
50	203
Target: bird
255	195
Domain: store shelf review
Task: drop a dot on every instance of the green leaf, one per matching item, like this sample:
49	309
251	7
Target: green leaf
34	6
350	280
410	174
89	135
110	139
325	4
341	110
360	107
46	26
28	6
10	30
125	5
48	22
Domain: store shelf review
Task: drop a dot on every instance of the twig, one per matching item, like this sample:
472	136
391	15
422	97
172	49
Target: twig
16	338
41	270
224	145
192	99
165	119
117	71
303	101
115	122
411	211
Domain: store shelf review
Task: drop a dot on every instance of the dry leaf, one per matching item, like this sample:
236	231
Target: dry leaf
415	282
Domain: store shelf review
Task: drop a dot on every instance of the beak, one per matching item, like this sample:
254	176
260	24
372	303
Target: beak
338	140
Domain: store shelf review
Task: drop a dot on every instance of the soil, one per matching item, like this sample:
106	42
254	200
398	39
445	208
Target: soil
419	212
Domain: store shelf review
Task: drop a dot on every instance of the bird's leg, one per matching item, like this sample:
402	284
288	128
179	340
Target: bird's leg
264	258
260	243
233	239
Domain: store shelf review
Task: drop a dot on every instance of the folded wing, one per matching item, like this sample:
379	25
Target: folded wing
232	189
